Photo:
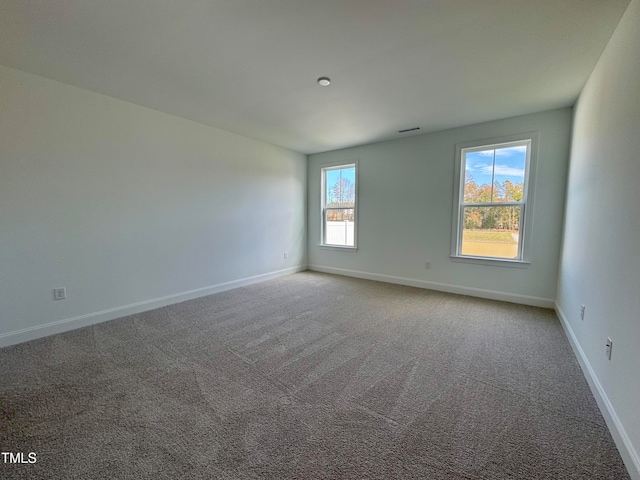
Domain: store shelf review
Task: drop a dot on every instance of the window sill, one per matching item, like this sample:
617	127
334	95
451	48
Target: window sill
337	248
493	262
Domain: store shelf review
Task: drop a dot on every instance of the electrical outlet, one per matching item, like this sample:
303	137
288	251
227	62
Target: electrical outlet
581	312
59	293
427	264
609	346
286	255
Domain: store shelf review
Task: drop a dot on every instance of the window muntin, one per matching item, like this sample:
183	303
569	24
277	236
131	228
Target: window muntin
339	206
492	200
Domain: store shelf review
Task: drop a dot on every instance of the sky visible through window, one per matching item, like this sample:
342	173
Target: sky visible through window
333	176
509	165
340	176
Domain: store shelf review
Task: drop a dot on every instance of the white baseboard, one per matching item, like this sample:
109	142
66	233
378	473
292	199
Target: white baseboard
442	287
39	331
629	455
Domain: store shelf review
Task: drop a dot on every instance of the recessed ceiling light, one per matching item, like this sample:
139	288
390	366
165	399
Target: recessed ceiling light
324	81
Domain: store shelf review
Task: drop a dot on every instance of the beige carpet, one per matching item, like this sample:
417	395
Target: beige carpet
307	376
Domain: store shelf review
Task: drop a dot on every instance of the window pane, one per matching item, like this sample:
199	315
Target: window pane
477	176
339	228
508	177
340	185
491	231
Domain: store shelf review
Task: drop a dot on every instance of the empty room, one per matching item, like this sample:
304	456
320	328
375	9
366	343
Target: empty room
341	239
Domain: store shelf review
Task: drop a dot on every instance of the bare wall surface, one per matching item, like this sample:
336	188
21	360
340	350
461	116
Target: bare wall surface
600	265
405	207
122	204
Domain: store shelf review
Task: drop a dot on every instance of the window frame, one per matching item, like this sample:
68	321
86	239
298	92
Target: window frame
323	209
525	225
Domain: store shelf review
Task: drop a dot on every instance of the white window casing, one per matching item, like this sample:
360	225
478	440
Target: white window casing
339	219
525	220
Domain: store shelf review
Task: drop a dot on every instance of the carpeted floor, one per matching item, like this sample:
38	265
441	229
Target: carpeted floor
307	376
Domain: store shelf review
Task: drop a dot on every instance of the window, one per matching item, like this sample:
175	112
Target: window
339	193
490	218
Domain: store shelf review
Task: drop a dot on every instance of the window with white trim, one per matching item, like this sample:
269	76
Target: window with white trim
491	214
339	197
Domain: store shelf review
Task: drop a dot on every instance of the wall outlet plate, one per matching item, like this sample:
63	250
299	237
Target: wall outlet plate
59	293
609	346
581	312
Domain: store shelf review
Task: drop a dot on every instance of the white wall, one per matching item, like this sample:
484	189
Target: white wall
122	204
405	210
600	264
